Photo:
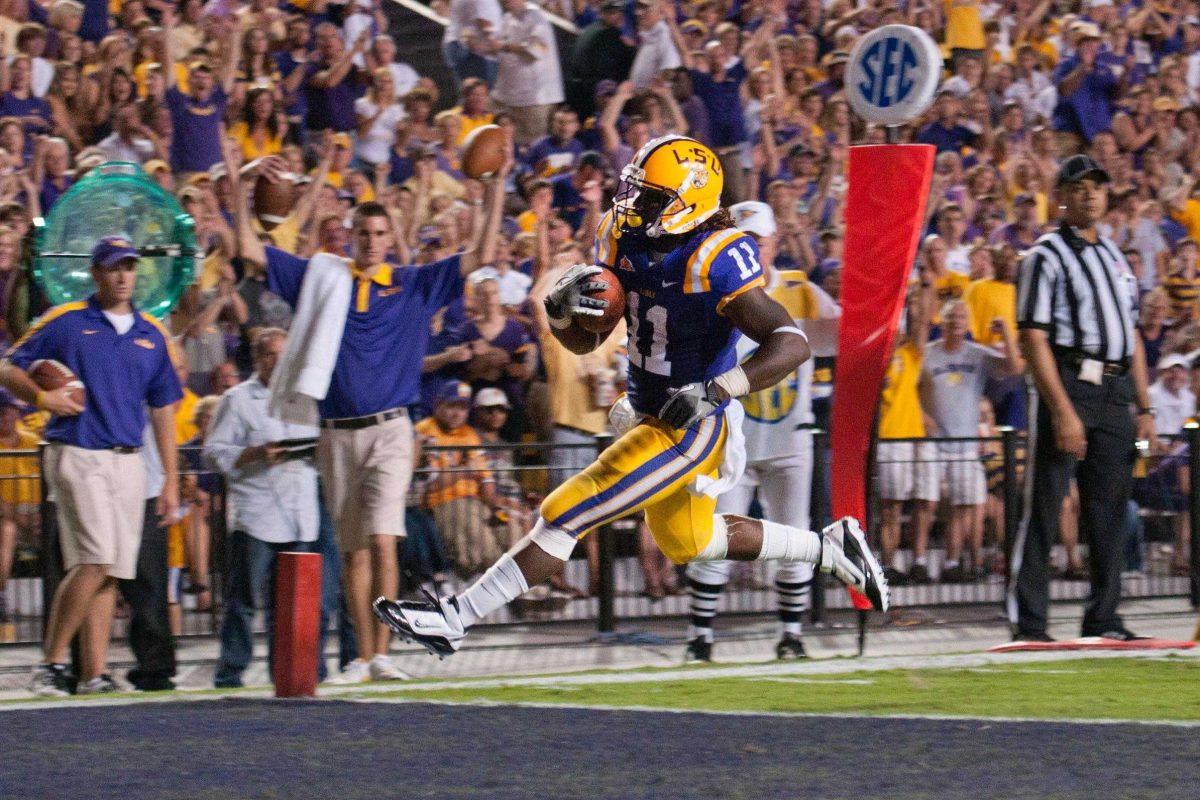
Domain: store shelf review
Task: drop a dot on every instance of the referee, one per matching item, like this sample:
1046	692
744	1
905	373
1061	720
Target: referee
1075	314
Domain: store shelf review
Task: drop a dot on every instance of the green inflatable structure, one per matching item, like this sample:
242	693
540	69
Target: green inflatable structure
116	198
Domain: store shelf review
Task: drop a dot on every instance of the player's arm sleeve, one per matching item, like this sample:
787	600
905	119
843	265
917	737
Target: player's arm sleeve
40	341
726	265
164	388
1035	289
441	281
606	240
285	273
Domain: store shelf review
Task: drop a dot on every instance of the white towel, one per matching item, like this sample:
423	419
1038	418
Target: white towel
733	463
303	375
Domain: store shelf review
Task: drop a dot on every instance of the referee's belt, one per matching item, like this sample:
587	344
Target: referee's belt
1075	358
354	423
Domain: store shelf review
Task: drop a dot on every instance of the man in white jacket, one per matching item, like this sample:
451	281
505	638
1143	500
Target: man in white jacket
364	455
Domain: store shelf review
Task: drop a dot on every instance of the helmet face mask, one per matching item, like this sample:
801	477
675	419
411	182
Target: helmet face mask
639	207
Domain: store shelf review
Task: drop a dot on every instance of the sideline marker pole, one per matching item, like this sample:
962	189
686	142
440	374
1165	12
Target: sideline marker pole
297	624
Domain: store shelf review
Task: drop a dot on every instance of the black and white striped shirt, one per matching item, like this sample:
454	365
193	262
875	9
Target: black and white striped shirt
1079	294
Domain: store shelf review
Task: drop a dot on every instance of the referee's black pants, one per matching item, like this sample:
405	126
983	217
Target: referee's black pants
1105	479
150	636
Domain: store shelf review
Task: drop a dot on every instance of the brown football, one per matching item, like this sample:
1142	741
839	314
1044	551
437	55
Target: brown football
49	375
274	201
615	296
483	151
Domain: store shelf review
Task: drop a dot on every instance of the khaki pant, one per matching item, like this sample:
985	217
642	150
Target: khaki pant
364	476
470	539
101	500
530	122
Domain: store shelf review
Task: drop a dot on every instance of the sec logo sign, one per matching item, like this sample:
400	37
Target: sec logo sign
892	74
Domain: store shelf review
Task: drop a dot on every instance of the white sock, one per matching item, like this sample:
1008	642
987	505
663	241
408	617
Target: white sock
792	627
922	560
785	543
500	585
695	632
951	563
897	562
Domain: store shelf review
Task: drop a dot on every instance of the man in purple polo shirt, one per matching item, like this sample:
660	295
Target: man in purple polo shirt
332	84
1087	90
365	451
197	115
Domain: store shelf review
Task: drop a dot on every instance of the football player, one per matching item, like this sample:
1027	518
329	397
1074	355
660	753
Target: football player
693	284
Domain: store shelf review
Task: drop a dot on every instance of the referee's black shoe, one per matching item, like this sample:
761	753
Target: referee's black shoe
790	646
1032	636
698	649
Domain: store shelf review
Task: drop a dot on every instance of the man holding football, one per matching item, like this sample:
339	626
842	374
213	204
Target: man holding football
92	462
692	282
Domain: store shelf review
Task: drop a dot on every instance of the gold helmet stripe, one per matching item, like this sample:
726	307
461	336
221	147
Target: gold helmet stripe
651	147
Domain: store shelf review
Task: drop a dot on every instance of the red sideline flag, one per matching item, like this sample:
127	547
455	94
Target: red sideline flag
885	209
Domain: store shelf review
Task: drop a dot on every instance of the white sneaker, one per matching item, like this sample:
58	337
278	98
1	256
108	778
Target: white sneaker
845	553
434	624
103	684
357	671
383	669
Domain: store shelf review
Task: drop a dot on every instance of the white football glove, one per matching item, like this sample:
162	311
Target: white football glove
570	298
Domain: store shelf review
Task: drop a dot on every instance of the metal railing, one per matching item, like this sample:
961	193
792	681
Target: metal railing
468	505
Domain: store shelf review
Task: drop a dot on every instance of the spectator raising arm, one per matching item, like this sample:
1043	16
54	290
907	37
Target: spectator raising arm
328	78
482	251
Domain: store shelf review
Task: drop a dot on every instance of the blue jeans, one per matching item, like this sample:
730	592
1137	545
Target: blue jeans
465	64
251	587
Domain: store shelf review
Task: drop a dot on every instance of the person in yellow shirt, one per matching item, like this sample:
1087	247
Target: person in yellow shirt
947	284
906	470
474	110
460	490
541	197
964	29
989	299
261	129
20	492
1185	209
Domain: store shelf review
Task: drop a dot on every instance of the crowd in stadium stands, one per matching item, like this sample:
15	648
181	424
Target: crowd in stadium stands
319	89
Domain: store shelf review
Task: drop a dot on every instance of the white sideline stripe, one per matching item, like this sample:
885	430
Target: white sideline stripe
819	681
781	714
831	666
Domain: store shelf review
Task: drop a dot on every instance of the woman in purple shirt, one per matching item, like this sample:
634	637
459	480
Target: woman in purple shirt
19	101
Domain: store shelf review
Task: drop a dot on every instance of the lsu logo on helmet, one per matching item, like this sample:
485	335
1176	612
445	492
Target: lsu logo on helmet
672	185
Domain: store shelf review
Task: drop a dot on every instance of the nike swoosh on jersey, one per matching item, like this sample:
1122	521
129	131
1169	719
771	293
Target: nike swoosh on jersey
87	331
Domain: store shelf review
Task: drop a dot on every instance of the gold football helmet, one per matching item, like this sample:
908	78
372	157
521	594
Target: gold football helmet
672	185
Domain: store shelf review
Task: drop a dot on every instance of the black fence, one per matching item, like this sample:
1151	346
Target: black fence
468	505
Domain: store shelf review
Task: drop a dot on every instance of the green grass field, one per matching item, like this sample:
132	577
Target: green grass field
1148	689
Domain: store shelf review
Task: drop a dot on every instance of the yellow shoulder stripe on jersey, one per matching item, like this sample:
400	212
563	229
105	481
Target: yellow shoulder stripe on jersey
792	276
606	242
757	282
50	315
701	261
153	320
